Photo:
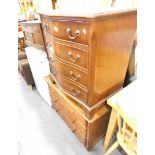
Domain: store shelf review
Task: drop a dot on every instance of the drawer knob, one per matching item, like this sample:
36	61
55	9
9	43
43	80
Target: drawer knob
46	27
70	56
57	110
75	77
52	71
75	92
70	34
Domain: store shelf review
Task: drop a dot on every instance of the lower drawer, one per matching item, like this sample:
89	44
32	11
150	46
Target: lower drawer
73	89
87	131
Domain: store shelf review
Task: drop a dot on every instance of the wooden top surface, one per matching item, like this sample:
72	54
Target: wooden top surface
74	104
32	22
88	14
126	100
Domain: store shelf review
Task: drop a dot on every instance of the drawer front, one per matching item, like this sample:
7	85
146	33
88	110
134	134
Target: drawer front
68	86
70	72
75	31
54	96
74	55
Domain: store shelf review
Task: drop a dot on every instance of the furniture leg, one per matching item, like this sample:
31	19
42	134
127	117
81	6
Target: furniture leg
111	128
113	147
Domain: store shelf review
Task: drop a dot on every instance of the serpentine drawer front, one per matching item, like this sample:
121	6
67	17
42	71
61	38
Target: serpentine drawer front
72	73
92	52
69	86
75	31
79	57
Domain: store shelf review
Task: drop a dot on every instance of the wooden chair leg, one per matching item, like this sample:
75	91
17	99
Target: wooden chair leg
113	147
111	129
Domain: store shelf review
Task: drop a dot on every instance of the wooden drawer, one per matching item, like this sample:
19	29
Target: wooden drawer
70	87
74	55
71	72
75	31
54	95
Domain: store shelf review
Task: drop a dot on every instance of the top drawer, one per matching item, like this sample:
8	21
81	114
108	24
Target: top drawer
75	31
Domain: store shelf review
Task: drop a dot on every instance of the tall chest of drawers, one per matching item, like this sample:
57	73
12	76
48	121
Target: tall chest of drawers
89	55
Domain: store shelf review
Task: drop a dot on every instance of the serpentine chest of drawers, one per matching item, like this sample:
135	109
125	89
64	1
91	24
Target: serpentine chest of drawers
88	58
89	55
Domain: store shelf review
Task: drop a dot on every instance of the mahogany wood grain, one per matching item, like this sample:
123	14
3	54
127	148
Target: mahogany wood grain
66	30
71	54
71	88
74	74
109	39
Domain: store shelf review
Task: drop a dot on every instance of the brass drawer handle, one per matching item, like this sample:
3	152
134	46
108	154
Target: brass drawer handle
46	27
73	130
70	34
49	48
70	56
57	110
75	77
53	72
75	92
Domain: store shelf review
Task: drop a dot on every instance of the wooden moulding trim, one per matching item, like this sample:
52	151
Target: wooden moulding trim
69	64
85	17
83	103
82	69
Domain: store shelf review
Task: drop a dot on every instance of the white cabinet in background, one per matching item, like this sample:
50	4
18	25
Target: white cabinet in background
40	68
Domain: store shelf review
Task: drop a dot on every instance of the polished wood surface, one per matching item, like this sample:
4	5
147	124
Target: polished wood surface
33	34
75	31
104	43
70	87
77	56
72	73
87	131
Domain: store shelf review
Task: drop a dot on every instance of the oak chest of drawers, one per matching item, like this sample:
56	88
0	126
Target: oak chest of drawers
88	131
89	55
33	34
